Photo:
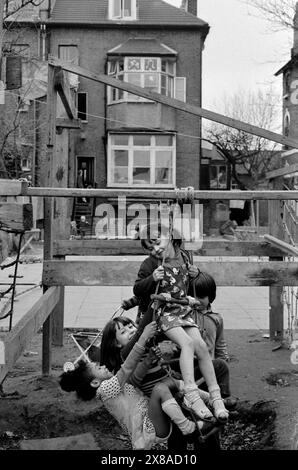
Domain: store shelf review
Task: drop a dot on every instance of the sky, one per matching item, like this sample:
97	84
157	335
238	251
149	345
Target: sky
241	51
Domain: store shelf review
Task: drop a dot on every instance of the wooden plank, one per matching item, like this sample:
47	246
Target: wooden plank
62	86
176	104
16	216
133	247
14	343
68	123
124	273
285	170
160	194
283	246
12	187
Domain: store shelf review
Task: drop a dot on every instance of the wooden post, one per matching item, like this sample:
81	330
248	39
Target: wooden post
275	293
58	144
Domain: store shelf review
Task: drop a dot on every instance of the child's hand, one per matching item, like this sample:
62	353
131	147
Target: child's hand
191	300
166	295
149	330
158	274
154	353
193	271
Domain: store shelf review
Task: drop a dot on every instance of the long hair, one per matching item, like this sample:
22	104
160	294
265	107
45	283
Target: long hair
203	285
110	353
78	380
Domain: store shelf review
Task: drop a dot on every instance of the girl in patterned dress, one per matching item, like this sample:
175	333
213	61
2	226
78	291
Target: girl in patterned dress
167	271
147	420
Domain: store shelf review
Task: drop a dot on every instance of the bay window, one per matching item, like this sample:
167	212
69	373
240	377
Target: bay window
152	73
141	160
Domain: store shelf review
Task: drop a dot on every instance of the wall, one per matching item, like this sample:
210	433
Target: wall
93	47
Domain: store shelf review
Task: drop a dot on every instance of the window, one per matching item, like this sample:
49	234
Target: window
141	160
218	177
22	51
152	73
70	54
82	103
122	9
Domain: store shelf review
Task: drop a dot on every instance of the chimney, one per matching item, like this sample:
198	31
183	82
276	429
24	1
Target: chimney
191	6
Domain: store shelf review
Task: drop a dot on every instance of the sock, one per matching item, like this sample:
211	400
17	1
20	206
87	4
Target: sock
173	410
205	396
194	401
220	412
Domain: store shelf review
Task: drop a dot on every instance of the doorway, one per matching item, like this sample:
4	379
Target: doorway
85	167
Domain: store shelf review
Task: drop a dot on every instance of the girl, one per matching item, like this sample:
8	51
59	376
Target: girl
171	278
146	420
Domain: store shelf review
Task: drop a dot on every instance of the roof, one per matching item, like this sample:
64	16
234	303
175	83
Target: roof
142	46
95	12
291	62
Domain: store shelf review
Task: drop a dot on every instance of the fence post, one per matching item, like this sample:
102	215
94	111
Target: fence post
275	292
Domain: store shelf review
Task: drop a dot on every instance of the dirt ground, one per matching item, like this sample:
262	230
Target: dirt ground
265	382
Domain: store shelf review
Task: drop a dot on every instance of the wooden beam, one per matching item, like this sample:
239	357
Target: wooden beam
160	194
12	187
133	247
290	250
13	343
63	88
124	273
285	170
16	216
68	123
176	104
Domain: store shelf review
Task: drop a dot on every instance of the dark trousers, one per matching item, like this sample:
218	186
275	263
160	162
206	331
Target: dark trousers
222	374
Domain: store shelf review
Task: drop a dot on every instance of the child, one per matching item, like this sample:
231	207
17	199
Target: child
203	289
171	278
146	420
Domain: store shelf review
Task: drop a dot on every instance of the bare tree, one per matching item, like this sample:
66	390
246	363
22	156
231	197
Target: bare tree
18	129
279	13
254	154
12	7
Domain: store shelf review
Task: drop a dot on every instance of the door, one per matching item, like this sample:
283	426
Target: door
85	168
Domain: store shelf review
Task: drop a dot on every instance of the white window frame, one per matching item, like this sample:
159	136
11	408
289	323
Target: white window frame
130	148
73	78
122	73
180	91
123	14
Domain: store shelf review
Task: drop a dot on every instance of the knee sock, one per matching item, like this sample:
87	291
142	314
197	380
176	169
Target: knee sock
173	410
193	399
205	396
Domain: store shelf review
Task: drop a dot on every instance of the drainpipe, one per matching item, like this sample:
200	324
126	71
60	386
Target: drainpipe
1	32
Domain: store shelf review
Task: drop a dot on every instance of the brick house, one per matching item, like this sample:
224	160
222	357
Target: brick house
290	101
127	141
